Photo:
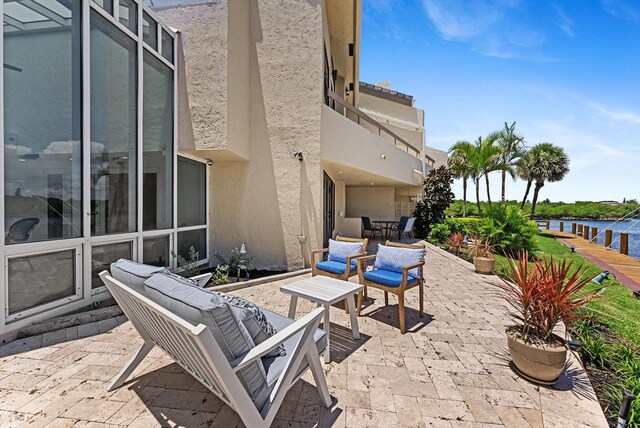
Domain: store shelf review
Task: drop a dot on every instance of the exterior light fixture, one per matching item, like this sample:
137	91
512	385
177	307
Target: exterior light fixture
243	248
383	157
209	162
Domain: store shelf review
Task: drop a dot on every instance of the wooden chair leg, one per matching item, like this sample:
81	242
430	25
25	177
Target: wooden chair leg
401	312
359	302
386	298
346	306
365	292
421	288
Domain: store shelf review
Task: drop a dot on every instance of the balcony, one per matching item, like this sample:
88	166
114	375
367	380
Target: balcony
352	138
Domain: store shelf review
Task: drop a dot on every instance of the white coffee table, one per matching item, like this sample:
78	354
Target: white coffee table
325	292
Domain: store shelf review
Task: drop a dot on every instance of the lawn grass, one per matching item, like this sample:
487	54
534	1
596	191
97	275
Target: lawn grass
617	308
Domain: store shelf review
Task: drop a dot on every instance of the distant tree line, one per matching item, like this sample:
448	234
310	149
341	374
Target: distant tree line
557	210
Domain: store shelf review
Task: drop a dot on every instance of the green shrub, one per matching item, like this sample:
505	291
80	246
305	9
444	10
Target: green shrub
595	351
439	233
438	196
221	275
508	228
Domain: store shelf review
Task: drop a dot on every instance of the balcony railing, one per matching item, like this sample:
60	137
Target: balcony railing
363	119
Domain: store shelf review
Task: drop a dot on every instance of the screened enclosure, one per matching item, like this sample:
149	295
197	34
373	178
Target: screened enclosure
91	170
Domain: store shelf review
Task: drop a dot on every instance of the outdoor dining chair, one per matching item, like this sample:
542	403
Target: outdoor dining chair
407	230
368	227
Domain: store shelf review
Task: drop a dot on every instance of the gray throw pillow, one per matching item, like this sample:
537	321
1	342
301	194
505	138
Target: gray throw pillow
255	322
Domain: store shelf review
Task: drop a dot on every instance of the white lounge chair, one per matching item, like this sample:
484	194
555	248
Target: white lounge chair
195	349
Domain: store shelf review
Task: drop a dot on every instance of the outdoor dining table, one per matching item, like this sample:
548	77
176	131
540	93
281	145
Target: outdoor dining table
387	226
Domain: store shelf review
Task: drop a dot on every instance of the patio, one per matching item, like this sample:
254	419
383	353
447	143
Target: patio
449	370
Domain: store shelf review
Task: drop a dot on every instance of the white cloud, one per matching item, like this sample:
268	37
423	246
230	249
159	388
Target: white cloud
616	115
61	147
458	19
564	22
491	28
628	10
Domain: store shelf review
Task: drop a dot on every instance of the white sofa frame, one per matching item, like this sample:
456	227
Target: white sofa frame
195	349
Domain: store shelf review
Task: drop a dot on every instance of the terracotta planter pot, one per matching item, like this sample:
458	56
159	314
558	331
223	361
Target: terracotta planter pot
483	265
539	363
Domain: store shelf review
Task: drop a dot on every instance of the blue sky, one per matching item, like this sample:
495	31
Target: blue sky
567	71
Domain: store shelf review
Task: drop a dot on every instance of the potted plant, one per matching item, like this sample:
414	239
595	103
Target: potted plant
483	259
542	293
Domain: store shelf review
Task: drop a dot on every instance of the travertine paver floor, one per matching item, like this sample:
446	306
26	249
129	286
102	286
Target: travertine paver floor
449	370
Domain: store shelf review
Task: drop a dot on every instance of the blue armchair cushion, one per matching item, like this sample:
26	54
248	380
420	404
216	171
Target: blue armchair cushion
336	267
387	277
339	251
394	259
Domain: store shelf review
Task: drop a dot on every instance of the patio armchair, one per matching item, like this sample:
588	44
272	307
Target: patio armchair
368	227
342	258
208	341
398	268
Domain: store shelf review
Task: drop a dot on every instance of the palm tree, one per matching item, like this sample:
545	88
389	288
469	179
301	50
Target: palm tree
460	164
524	172
547	163
488	156
511	150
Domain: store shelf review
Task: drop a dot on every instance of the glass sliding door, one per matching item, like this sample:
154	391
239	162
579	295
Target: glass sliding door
157	133
42	122
113	129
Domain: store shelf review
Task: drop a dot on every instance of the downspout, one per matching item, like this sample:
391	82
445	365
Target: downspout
424	154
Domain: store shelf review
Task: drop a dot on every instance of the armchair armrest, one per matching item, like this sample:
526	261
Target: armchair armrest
202	279
362	262
350	258
321	250
279	338
406	269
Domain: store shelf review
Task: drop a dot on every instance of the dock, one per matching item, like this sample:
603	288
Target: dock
625	268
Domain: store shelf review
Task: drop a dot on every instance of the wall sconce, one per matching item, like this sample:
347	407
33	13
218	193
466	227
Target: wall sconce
209	162
243	248
297	155
383	157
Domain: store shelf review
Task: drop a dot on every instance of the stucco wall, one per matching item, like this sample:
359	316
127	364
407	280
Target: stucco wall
377	203
260	99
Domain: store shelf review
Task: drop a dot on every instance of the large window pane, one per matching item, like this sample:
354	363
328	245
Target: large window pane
193	238
167	46
158	144
192	198
155	251
150	31
113	129
103	255
42	123
36	280
129	15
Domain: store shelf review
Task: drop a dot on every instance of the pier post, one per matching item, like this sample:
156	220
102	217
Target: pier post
594	233
624	244
579	230
547	224
562	226
608	236
573	228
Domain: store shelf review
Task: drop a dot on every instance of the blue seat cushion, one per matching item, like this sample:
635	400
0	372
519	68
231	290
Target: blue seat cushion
336	267
387	277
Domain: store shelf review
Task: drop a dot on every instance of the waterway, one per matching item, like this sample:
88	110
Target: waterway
632	227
